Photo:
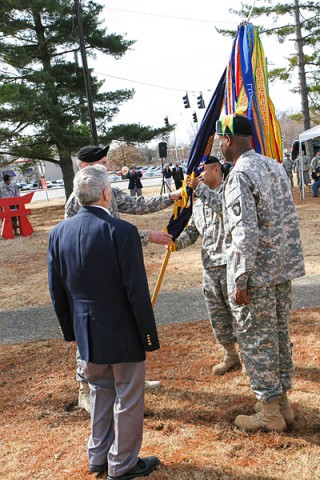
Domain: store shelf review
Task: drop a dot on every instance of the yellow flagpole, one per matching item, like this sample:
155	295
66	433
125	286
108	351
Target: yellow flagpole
161	275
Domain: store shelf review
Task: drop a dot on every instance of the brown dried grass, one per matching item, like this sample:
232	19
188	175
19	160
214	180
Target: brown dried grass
189	421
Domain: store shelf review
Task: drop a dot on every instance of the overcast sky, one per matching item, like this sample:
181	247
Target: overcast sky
177	50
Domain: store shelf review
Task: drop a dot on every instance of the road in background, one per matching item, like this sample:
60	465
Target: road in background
53	193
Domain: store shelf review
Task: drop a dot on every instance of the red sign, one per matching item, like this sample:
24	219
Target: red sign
20	211
44	184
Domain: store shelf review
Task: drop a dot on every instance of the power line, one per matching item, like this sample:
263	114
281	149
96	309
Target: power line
170	16
152	85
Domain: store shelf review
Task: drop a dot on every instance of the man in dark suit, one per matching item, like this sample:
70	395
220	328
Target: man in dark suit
135	185
178	176
101	299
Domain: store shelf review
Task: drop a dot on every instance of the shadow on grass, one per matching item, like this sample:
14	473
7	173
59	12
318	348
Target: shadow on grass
208	409
307	373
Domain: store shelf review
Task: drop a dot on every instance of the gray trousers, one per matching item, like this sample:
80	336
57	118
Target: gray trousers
117	408
264	339
135	191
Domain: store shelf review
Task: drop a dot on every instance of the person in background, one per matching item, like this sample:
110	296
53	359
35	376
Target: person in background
264	255
135	185
121	202
208	224
178	176
167	176
315	162
108	311
10	190
316	183
288	165
305	170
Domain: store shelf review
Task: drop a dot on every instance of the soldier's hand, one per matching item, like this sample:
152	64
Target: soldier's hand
240	297
160	237
175	195
192	182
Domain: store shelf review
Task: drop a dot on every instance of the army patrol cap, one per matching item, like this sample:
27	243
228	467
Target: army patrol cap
92	153
234	124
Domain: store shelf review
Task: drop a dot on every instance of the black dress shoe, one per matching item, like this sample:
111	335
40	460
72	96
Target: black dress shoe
98	468
142	469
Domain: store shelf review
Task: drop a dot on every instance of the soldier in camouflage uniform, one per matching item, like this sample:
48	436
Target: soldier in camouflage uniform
10	190
264	254
123	203
208	224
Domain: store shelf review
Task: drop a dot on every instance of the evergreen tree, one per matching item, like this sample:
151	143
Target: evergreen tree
43	109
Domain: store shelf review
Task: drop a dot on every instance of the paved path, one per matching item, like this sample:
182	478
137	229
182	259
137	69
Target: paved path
39	323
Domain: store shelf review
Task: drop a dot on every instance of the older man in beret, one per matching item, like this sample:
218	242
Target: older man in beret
121	202
264	255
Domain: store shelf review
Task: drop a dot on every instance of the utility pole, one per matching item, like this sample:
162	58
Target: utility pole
302	79
86	72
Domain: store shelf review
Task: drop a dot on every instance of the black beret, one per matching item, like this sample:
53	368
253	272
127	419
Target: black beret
6	177
211	160
92	153
234	124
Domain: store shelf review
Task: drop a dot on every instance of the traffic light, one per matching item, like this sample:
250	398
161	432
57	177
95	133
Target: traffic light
194	116
166	122
200	102
186	102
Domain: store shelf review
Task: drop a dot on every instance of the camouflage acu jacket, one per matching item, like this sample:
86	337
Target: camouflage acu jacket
261	223
207	224
9	191
123	203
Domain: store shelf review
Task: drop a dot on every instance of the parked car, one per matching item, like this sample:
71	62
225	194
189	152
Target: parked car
27	186
57	183
113	177
21	185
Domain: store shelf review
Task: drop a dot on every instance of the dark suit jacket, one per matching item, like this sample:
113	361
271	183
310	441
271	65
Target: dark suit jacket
134	180
99	288
178	176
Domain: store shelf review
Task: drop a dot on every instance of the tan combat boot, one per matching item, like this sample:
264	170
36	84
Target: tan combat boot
84	396
269	419
231	359
285	409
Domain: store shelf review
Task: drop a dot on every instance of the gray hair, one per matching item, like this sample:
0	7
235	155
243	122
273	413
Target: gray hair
89	183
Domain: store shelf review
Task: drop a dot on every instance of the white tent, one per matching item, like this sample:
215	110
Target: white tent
307	135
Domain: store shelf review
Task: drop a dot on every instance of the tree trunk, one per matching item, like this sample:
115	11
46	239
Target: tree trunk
302	80
67	170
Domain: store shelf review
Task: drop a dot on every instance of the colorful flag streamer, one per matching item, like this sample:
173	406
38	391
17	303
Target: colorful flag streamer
243	88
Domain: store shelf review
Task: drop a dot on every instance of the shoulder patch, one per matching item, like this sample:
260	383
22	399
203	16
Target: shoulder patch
236	208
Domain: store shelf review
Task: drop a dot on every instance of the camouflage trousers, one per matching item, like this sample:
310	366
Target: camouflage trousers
264	339
80	375
215	292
